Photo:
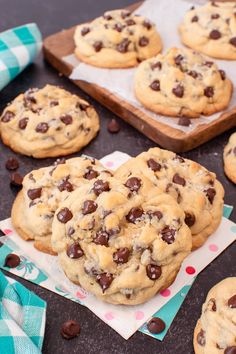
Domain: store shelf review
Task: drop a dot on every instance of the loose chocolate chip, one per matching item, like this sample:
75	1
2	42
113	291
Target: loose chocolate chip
189	219
212	304
168	235
7	117
178	91
101	238
215	16
133	183
66	119
91	174
12	260
232	302
230	350
74	251
147	24
184	121
214	34
130	22
12	164
54	103
99	187
118	27
125	14
194	19
104	280
155	85
85	31
42	127
209	91
134	215
178	59
16	179
23	123
156	325
210	193
97	46
201	338
154	165
153	271
233	41
64	215
113	126
157	65
107	17
179	180
34	193
192	73
65	185
89	207
71	231
222	74
70	329
143	41
123	46
121	255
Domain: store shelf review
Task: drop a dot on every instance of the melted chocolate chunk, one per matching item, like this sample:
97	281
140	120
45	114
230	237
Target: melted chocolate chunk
178	59
66	119
121	255
143	41
215	34
147	24
154	165
98	45
178	91
189	219
16	179
222	74
134	215
12	260
113	126
192	73
74	251
123	46
54	103
42	127
232	302
7	117
91	174
99	187
130	22
118	27
101	238
23	123
104	280
232	41
12	164
201	338
184	121
89	207
215	16
133	183
155	85
64	215
230	350
168	235
156	325
157	65
179	180
158	214
65	185
210	193
208	63
209	91
70	329
34	193
153	271
194	19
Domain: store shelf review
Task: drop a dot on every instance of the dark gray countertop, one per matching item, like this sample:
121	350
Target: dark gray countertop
96	336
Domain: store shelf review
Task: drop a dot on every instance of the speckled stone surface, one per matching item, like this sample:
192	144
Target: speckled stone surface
96	337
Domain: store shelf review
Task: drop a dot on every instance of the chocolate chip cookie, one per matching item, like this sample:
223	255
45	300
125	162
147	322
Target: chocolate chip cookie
43	190
182	83
211	29
123	242
230	158
196	190
118	39
48	122
215	331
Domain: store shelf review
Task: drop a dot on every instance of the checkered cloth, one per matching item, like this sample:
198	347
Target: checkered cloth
18	48
22	319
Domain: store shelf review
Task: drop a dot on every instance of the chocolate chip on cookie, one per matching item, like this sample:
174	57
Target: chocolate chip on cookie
65	185
153	271
121	255
210	193
91	174
194	19
147	24
179	180
143	41
7	117
178	91
34	193
104	280
154	165
189	219
100	186
209	91
74	251
23	123
123	46
101	238
42	127
89	207
134	215
155	85
70	329
133	183
232	41
98	45
222	74
201	338
157	65
64	215
168	235
66	119
156	325
232	302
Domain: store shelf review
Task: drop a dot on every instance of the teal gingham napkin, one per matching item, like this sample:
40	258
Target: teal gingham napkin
22	319
18	48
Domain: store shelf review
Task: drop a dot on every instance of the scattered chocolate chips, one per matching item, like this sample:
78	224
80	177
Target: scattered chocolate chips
16	179
74	251
233	41
215	16
64	215
130	22
189	219
134	215
153	271
121	256
70	329
147	24
232	302
192	73
113	126
66	119
23	123
168	235
91	174
8	115
230	350
212	304
222	74
156	325
154	165
99	187
201	338
194	19
215	34
155	85
133	183
97	46
89	207
210	193
179	180
12	260
65	185
101	238
209	91
143	41
157	65
104	280
12	164
184	121
42	127
178	91
34	193
178	59
123	46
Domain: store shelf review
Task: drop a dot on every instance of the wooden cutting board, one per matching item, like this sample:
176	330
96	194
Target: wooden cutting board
61	44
